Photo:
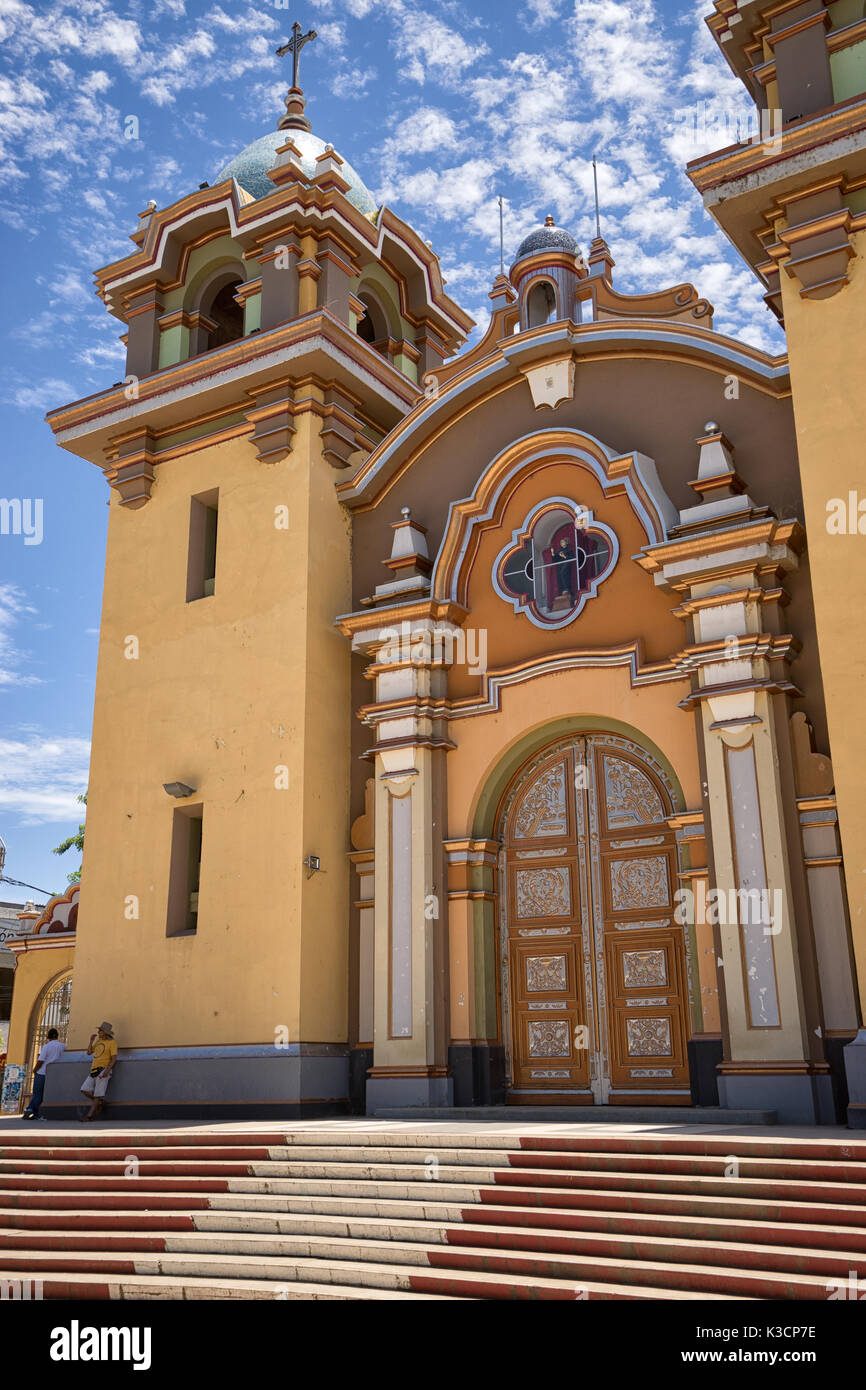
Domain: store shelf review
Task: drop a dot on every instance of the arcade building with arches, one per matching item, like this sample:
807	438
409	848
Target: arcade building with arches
460	734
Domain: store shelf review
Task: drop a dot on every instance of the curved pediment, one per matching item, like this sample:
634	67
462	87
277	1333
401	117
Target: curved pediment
631	475
509	364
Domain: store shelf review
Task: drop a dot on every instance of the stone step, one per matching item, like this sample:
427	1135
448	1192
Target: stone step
307	1195
368	1262
281	1158
326	1236
334	1214
249	1144
77	1287
373	1210
280	1177
394	1284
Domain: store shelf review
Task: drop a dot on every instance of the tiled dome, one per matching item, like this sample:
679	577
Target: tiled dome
547	238
251	166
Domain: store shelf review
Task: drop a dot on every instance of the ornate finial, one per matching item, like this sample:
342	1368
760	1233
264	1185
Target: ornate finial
711	427
294	117
548	221
405	512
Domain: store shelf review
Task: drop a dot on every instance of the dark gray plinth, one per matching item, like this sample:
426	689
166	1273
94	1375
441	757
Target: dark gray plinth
855	1073
419	1093
704	1056
479	1073
797	1100
210	1082
360	1061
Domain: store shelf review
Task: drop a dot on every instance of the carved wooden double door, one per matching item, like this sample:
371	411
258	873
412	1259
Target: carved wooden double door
593	961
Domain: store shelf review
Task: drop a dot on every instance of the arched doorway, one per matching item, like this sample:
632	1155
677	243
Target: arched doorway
51	1010
593	962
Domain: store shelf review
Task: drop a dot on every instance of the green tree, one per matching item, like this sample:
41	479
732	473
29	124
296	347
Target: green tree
73	842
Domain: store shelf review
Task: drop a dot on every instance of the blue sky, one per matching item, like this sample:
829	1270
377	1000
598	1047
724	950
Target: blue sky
439	106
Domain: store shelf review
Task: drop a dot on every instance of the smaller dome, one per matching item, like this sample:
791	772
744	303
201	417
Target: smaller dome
547	238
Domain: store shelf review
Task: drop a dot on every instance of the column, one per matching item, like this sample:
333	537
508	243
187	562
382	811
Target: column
475	1055
726	560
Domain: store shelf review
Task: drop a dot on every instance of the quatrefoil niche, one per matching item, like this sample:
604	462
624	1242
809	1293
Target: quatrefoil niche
555	562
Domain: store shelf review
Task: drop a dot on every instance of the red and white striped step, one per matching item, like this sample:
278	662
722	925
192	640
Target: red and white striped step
406	1212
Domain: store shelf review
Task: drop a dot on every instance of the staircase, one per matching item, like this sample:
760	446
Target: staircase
364	1210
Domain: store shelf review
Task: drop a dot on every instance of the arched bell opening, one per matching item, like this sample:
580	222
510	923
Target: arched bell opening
227	314
373	326
541	305
216	317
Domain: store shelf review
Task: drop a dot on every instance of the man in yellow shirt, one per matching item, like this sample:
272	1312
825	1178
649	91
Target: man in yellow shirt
102	1049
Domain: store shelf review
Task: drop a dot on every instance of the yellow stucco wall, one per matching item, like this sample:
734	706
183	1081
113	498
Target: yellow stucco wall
828	369
34	971
223	692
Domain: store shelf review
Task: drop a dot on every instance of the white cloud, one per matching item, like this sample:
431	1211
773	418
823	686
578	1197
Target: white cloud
427	46
66	284
13	605
45	395
544	11
101	353
449	193
41	777
428	128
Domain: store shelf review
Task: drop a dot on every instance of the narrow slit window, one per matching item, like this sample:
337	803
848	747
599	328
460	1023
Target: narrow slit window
201	565
185	871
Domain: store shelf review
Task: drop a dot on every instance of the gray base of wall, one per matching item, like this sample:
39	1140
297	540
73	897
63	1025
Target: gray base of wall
855	1075
797	1100
256	1082
411	1091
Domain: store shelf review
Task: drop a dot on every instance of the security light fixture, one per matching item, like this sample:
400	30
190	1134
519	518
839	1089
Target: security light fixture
177	789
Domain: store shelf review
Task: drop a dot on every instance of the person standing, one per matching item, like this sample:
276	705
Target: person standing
102	1049
51	1052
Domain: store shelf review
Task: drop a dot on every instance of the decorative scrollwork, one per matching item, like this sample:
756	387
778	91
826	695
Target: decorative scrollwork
639	883
549	1039
543	809
543	892
631	797
545	973
648	1037
643	968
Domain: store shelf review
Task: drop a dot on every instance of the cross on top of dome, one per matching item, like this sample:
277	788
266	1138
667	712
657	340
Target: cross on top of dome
294	118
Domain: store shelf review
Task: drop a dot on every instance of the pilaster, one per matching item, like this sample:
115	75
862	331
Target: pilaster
727	560
409	641
278	263
143	312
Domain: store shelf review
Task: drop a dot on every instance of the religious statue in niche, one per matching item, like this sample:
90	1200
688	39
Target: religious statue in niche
555	562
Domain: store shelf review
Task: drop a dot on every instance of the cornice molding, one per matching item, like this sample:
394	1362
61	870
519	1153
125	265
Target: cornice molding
466	385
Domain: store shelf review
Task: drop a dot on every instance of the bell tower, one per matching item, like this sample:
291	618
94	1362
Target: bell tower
277	325
792	200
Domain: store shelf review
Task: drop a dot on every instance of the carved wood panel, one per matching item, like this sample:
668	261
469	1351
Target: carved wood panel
596	980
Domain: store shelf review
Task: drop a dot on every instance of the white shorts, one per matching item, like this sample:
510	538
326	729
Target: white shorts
96	1086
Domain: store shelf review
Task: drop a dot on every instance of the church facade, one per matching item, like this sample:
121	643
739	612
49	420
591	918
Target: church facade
460	734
